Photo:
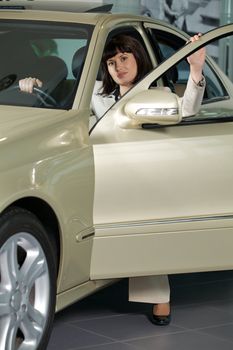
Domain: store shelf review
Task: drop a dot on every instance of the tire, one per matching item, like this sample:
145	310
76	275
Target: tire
27	282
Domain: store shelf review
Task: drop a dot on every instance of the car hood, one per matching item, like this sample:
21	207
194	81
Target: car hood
18	121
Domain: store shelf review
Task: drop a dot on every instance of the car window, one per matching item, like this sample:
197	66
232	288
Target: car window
218	91
217	105
167	44
119	30
48	52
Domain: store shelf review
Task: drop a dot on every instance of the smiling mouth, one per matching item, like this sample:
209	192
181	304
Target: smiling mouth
121	75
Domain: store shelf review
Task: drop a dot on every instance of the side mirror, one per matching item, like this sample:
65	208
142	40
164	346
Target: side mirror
153	106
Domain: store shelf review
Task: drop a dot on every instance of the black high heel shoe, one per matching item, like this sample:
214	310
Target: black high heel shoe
160	320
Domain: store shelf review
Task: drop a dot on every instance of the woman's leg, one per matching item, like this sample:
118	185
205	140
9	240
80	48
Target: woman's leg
149	289
154	290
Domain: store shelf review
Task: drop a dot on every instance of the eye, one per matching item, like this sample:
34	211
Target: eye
124	58
109	63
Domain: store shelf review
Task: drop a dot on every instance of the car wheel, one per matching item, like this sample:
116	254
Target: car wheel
27	282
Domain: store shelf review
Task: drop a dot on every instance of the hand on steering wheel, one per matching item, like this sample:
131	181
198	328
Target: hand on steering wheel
33	86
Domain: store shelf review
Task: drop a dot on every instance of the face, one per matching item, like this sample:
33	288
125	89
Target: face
123	69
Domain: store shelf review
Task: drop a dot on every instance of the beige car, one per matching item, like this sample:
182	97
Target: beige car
84	202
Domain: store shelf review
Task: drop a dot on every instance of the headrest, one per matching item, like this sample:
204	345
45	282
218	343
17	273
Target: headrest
51	67
52	70
78	60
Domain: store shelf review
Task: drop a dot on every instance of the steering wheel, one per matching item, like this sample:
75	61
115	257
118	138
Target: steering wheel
44	99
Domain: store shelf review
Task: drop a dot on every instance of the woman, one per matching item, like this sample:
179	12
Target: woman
124	63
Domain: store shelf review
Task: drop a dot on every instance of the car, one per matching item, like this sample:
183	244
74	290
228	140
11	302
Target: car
86	202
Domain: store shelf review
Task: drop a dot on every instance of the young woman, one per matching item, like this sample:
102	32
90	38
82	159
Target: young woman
124	63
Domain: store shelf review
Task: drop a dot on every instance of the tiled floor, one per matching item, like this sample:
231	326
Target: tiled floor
202	318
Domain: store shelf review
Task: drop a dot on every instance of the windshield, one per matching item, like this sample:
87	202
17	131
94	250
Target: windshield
47	51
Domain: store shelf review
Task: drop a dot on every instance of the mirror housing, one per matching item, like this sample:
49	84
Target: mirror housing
153	106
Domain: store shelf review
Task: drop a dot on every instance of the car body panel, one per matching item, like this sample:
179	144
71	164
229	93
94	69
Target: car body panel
180	181
177	198
57	16
59	149
64	6
138	249
175	175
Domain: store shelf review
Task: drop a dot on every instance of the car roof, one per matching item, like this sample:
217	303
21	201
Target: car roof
57	5
93	13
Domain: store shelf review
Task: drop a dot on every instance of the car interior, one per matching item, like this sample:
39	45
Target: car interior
33	53
37	52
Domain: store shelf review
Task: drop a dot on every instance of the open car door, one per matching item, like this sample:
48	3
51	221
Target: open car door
163	188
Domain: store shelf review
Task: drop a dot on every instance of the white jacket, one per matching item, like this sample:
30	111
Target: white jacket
190	102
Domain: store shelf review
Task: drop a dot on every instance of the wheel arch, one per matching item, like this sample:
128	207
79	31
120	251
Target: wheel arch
46	215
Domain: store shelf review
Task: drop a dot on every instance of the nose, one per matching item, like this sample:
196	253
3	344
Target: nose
118	65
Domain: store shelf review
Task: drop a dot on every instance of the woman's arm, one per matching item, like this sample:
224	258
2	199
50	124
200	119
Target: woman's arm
197	61
194	92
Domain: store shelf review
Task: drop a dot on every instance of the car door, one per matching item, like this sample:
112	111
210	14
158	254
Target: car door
164	192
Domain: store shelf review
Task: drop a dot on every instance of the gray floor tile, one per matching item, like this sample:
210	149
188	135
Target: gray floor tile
222	332
199	316
113	346
84	311
182	341
65	337
223	305
125	327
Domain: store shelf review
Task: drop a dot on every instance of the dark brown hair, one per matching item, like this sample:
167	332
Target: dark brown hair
124	43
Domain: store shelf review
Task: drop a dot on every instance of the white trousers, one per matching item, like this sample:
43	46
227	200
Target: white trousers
149	289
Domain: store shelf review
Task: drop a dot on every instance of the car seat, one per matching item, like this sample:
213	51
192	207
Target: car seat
78	61
52	71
